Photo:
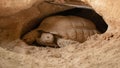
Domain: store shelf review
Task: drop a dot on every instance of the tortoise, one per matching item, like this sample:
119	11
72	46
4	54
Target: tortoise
55	28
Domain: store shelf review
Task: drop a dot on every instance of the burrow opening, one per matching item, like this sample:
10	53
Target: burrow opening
81	12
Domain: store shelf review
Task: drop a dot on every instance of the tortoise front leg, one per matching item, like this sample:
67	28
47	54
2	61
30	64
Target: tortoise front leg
30	37
61	42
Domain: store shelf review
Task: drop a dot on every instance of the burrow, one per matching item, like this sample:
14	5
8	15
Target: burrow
81	12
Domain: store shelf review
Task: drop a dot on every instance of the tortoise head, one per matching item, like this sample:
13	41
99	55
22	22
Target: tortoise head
47	39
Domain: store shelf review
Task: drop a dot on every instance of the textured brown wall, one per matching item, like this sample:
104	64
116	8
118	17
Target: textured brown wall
16	16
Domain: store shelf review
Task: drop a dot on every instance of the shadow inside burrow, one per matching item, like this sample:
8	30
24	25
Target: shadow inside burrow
88	14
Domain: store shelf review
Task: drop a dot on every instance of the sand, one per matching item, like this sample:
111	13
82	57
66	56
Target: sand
98	52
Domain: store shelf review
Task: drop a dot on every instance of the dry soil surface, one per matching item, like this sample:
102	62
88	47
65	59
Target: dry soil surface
99	51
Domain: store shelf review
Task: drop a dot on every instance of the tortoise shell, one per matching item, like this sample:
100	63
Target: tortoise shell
69	27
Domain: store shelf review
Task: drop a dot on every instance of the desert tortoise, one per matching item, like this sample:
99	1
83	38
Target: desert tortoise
61	27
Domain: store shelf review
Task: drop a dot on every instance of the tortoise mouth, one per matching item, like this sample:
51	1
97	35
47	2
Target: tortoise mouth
81	12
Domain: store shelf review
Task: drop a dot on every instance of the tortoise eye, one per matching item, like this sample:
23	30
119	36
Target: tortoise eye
48	37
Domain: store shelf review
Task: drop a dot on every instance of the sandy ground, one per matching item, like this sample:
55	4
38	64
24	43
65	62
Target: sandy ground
100	51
